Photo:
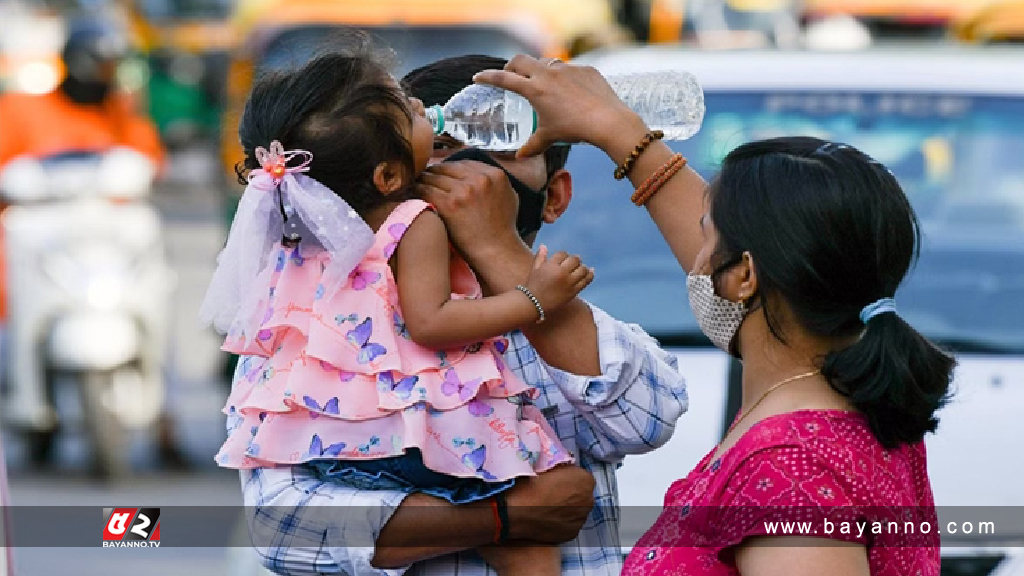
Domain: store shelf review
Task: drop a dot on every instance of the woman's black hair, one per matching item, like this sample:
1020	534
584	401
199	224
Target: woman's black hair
344	108
831	231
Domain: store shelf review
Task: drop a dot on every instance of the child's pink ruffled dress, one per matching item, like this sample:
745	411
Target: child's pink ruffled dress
337	378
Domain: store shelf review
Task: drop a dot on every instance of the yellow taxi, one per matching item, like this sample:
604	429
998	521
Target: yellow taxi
915	13
277	33
999	22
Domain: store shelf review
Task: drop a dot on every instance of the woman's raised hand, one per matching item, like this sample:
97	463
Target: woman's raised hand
573	103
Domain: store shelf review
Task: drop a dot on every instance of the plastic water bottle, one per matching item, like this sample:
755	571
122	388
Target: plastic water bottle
490	118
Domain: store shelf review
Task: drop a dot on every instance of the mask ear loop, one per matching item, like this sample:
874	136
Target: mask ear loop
723	267
729	264
733	352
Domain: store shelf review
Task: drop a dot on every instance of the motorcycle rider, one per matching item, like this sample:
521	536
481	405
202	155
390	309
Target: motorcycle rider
85	113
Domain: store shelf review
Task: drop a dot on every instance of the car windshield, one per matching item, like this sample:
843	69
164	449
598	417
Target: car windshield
957	157
415	46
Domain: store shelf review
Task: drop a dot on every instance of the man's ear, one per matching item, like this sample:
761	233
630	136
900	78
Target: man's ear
559	195
387	179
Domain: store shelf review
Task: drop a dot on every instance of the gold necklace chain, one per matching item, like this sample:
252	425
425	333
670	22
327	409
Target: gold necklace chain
765	395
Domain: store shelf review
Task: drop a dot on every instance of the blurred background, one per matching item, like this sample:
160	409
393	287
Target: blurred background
118	139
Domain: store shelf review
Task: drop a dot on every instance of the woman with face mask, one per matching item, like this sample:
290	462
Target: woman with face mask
794	252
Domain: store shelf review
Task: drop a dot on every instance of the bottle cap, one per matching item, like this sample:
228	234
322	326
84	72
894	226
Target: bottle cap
435	114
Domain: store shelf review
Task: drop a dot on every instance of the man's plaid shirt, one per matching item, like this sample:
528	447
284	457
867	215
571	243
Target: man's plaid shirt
302	524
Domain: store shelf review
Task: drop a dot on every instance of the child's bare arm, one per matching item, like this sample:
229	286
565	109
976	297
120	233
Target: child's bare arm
421	266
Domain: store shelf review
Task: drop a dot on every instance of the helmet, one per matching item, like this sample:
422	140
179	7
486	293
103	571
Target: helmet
91	54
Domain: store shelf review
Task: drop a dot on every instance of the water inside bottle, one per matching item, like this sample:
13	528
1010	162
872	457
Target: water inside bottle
493	119
488	118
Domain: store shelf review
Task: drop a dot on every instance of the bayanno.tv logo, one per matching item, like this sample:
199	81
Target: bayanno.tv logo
131	527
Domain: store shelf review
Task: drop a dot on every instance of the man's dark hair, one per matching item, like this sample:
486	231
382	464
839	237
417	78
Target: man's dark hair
436	83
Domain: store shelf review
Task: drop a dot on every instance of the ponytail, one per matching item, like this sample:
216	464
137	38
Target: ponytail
895	377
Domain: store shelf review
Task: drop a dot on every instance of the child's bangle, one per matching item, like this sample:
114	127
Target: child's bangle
536	303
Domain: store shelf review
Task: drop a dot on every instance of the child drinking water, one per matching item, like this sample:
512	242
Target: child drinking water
371	352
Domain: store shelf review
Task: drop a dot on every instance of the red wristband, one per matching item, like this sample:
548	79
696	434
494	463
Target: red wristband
497	520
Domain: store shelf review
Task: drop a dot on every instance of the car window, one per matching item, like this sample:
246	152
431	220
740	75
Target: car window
165	10
957	157
414	46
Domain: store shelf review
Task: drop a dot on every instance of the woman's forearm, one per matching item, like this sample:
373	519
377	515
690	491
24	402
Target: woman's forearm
677	208
426	527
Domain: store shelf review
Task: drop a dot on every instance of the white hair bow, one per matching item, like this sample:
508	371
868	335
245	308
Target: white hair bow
279	197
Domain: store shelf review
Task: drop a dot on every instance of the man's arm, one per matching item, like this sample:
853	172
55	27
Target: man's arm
479	209
549	508
568	337
633	405
303	525
628	390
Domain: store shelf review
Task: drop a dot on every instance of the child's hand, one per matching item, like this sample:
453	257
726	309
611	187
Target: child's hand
556	280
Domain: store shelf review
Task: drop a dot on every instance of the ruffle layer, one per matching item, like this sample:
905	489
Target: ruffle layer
336	376
493	434
292	381
359	329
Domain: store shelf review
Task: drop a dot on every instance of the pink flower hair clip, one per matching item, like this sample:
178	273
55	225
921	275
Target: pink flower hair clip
275	161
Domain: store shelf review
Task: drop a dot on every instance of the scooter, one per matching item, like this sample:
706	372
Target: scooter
88	294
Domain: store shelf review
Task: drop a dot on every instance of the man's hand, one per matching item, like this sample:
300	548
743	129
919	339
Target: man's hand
551	507
477	204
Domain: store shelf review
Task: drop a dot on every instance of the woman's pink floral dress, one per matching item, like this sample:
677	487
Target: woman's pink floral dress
823	468
337	377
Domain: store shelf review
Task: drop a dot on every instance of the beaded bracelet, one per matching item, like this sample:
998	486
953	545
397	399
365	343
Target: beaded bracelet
654	183
623	170
536	303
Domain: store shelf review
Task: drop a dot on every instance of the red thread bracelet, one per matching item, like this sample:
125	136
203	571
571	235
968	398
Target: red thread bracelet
497	520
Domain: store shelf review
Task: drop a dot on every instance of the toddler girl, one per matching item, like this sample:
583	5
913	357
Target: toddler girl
370	352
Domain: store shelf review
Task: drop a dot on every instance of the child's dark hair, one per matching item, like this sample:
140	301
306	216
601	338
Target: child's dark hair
344	108
831	231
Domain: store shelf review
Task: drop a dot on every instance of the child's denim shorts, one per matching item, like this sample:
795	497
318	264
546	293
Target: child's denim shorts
407	473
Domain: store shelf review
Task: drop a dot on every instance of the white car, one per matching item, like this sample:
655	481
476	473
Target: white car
950	124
